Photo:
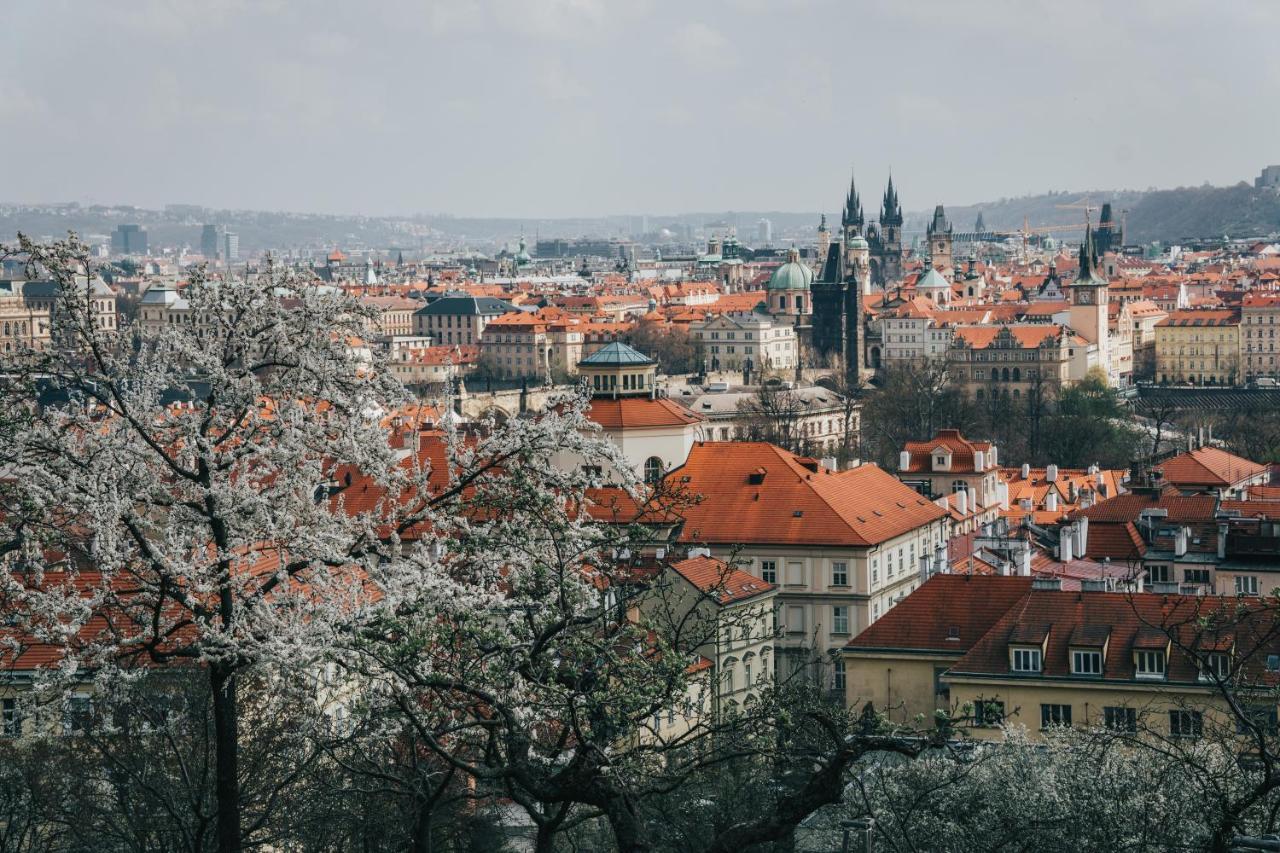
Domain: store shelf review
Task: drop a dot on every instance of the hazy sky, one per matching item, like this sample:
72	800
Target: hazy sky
586	107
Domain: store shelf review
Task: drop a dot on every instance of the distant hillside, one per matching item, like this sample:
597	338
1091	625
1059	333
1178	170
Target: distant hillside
1172	215
1165	215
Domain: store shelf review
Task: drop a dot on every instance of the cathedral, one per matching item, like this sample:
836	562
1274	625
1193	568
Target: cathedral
864	256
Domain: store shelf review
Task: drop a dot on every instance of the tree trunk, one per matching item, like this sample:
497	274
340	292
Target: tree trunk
227	750
422	829
545	842
628	830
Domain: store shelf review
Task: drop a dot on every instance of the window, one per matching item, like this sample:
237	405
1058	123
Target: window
795	619
840	620
1120	719
1158	574
1026	660
1196	576
652	470
1055	715
77	713
795	574
1262	716
768	571
1189	724
1216	664
839	574
1086	663
10	722
1246	585
988	712
1149	664
837	674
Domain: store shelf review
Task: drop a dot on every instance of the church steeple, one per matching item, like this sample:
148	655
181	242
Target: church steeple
890	209
1088	260
852	216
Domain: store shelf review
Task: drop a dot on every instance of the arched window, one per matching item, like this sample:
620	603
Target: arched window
652	470
730	674
1004	375
980	395
748	675
1017	375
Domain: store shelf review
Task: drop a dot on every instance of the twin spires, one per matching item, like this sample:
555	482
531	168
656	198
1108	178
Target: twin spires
890	208
852	216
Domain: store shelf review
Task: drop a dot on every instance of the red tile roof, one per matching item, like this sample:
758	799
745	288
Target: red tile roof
721	581
640	413
962	451
1208	466
925	619
1132	621
759	493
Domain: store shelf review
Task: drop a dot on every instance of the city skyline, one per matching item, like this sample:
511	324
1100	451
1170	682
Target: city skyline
410	108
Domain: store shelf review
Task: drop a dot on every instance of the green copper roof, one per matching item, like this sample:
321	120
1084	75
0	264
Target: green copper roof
792	275
616	354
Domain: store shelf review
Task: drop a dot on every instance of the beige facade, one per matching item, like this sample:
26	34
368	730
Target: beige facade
730	341
1259	345
1200	346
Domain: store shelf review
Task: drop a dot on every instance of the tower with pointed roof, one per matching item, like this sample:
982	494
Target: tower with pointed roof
888	262
1088	311
939	235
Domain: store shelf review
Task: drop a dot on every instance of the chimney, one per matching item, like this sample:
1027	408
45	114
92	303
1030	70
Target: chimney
973	500
1222	541
1093	585
1064	545
1180	542
1051	474
979	460
1051	501
1047	584
962	502
1025	568
829	462
1026	471
1082	540
904	460
1024	504
993	456
1003	491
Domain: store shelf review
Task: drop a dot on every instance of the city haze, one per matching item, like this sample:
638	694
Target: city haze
583	108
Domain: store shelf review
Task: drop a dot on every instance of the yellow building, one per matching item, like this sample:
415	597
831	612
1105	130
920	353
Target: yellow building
1200	346
1019	651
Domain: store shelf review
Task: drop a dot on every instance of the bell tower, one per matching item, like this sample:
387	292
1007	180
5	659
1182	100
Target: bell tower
1088	311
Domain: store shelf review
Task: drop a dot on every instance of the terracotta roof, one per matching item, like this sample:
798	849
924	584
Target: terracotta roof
1133	621
1201	317
945	606
719	580
757	492
1208	466
1127	507
640	413
1117	541
962	451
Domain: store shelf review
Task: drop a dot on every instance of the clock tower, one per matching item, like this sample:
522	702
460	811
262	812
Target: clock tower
1088	310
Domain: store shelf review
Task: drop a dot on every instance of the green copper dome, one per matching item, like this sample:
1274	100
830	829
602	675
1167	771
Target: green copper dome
792	275
859	242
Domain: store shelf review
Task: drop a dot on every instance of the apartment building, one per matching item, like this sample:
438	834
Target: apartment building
1014	651
1200	346
842	547
1259	319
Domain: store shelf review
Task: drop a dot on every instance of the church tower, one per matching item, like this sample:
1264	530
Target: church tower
939	236
891	235
852	220
824	240
1088	311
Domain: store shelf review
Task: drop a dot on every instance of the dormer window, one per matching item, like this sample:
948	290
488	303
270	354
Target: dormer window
1216	665
1086	662
1026	659
1149	664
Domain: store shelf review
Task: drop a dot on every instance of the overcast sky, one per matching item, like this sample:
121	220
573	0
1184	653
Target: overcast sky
586	107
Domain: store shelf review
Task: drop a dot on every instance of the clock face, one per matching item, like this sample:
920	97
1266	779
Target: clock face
1084	297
